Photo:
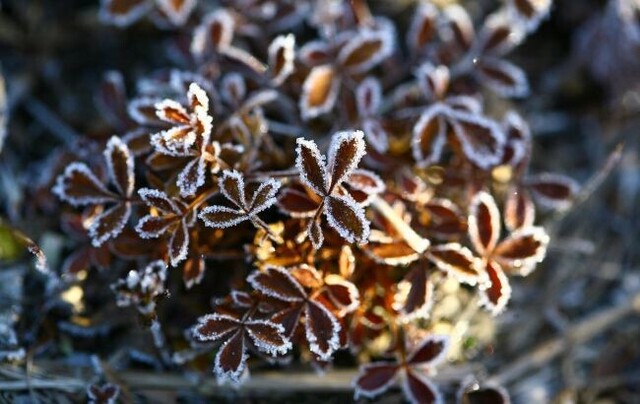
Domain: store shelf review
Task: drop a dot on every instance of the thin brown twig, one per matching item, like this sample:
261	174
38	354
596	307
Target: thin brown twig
576	334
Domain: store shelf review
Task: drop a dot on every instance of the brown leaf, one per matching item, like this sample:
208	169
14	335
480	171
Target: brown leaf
482	140
345	152
295	202
503	77
423	27
365	50
347	218
79	186
322	330
553	191
319	91
429	137
484	222
110	223
522	250
496	291
457	261
278	283
519	210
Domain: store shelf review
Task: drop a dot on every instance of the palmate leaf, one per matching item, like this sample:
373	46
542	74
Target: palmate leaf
103	394
343	213
233	187
173	218
375	378
235	335
79	186
322	329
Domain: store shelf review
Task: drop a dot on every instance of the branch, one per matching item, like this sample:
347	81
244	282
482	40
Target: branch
579	333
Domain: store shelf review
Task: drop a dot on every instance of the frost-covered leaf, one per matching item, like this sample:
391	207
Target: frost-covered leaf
192	176
319	91
222	217
314	53
482	139
265	196
177	11
365	181
347	218
193	271
120	165
376	134
433	80
232	186
342	293
296	203
499	35
158	199
369	96
322	330
268	337
143	111
430	352
459	26
365	50
154	226
79	186
311	165
457	261
345	152
123	12
505	78
278	283
423	27
495	292
214	327
214	33
233	89
110	223
415	293
522	250
519	210
179	244
518	145
390	252
418	388
314	231
281	58
529	13
231	360
429	137
374	379
103	394
553	191
484	222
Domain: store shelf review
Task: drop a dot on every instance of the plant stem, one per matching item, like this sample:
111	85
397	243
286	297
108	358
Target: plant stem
415	241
